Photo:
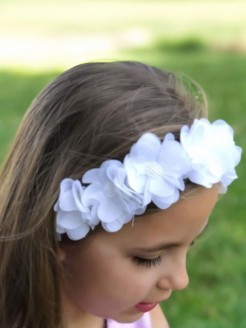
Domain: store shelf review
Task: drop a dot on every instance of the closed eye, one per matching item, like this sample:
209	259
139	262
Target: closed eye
147	262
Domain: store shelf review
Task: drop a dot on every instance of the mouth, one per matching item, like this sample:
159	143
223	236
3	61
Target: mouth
145	307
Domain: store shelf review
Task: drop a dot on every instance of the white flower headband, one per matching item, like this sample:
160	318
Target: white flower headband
153	171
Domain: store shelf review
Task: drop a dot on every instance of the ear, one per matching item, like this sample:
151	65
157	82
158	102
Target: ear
61	254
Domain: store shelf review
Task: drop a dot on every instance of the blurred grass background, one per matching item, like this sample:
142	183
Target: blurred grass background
203	39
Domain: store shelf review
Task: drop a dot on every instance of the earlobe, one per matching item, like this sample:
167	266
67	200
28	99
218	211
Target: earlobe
61	255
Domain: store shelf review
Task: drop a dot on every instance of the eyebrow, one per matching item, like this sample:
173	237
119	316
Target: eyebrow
165	246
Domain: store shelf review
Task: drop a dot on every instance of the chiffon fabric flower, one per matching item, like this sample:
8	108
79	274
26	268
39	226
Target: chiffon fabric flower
212	152
157	170
115	203
73	217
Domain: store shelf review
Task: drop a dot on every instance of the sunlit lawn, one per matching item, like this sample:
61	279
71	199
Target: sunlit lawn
216	295
169	18
54	33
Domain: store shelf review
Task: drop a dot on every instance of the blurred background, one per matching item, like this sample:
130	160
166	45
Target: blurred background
204	39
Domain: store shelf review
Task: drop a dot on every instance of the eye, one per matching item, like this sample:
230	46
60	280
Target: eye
147	262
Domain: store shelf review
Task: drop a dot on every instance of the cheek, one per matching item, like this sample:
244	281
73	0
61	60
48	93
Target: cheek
116	278
104	286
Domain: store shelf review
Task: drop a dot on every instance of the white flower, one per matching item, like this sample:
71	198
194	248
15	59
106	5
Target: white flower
114	202
212	151
157	169
73	218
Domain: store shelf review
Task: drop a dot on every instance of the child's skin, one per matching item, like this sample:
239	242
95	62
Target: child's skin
109	274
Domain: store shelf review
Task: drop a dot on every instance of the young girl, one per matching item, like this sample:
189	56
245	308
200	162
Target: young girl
112	176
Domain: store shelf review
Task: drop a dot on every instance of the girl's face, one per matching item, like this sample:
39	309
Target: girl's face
110	275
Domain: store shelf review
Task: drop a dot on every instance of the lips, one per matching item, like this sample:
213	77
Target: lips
145	307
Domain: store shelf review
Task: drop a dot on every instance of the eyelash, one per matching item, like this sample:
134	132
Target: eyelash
148	263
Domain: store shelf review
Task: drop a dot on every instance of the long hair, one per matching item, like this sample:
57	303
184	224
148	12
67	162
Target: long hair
90	113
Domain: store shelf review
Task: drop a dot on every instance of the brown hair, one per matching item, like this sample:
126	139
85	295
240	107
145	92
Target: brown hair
90	113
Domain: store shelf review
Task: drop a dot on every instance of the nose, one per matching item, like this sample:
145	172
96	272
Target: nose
176	277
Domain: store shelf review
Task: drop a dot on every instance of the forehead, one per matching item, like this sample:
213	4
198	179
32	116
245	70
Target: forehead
181	222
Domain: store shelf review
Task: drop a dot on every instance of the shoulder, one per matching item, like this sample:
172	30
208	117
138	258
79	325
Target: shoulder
158	318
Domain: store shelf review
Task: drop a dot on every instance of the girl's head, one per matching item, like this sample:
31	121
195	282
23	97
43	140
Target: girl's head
89	114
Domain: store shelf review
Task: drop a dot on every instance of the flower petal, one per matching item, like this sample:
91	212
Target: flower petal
146	147
166	202
66	201
113	226
91	176
78	233
161	188
69	220
109	210
77	192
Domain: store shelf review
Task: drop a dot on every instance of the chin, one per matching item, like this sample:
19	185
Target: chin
127	317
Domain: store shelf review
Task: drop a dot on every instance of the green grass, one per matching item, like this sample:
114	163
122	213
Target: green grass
17	90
